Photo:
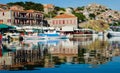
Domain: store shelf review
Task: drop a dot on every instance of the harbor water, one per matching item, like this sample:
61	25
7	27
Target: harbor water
75	55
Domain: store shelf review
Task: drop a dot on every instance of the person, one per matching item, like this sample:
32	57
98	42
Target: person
20	38
0	44
0	39
8	38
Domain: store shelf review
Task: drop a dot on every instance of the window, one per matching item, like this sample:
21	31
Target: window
9	20
63	21
3	13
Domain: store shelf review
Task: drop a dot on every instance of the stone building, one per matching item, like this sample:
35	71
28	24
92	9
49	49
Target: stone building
20	17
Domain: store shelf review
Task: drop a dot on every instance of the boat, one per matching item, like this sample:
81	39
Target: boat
11	36
85	32
31	35
52	34
112	33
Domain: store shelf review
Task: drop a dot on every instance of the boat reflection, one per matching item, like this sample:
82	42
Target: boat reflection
31	55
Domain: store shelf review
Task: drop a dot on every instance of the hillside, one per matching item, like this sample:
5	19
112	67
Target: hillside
97	11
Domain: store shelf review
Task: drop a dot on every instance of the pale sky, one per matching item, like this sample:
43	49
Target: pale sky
113	4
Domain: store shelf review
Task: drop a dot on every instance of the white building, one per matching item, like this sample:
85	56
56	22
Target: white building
64	20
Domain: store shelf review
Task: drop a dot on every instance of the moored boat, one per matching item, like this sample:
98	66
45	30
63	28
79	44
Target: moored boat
52	34
114	32
84	33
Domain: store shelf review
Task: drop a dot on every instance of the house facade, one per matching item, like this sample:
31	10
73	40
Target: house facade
21	17
64	20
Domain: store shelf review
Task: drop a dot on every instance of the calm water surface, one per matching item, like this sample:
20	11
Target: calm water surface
85	55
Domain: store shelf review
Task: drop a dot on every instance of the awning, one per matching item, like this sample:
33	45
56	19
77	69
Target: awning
2	26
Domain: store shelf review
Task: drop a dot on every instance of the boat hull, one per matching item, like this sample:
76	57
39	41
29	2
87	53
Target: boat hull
52	36
114	34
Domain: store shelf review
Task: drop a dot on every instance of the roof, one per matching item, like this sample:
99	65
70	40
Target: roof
27	11
16	7
65	16
3	5
31	10
48	6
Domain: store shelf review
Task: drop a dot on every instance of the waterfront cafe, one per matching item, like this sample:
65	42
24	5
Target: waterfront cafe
4	29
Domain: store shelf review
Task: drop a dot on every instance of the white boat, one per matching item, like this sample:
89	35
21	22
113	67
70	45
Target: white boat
52	34
14	36
114	33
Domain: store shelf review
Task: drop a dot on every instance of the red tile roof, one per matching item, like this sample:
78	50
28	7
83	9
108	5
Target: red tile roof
65	16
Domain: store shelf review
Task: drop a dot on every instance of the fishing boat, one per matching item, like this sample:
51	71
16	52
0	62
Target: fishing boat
114	31
84	32
52	34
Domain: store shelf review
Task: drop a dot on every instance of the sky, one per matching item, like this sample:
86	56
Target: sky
113	4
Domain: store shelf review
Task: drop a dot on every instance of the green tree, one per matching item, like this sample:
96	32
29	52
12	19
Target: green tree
28	5
80	17
92	16
50	14
80	8
58	8
16	3
34	6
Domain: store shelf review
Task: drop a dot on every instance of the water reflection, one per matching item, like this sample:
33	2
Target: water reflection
33	54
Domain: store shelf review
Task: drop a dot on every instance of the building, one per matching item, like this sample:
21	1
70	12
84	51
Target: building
4	7
64	20
16	7
20	17
48	8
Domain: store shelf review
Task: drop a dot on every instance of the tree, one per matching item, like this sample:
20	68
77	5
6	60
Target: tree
92	16
58	8
80	8
32	5
28	5
80	16
50	14
16	3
